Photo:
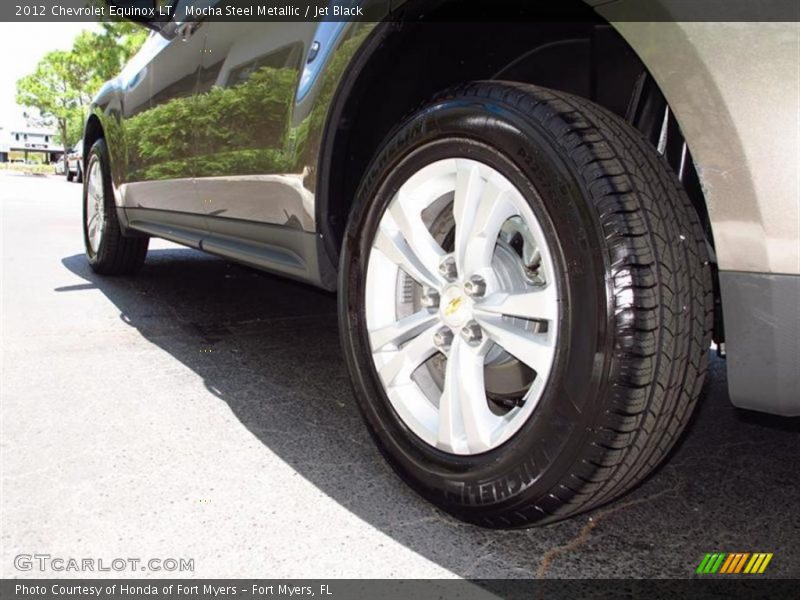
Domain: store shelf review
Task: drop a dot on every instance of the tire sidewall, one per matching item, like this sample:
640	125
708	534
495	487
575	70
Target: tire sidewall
536	457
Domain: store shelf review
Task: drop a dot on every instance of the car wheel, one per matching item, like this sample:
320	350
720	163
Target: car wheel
108	250
525	304
70	176
79	175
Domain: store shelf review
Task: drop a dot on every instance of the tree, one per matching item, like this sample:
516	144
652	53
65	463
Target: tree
57	88
105	53
64	82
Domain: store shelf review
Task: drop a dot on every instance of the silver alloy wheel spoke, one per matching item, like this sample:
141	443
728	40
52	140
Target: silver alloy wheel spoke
540	304
402	330
91	184
396	248
93	227
407	215
95	206
534	349
401	363
494	209
477	305
466	200
466	424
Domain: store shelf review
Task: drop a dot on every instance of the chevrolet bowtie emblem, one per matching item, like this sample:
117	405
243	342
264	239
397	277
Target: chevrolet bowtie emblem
453	306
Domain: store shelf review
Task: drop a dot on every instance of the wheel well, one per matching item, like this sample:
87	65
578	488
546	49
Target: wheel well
587	58
91	133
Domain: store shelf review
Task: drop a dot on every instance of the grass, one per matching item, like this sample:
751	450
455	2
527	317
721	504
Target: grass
29	169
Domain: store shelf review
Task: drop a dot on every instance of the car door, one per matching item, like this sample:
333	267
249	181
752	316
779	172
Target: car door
247	137
159	126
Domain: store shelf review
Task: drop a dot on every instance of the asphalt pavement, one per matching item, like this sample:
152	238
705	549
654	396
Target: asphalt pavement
202	410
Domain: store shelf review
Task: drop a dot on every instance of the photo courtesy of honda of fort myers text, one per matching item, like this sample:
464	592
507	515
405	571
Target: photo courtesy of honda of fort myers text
399	299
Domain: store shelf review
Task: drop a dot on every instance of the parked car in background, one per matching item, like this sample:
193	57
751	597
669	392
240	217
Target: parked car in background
75	163
534	228
58	167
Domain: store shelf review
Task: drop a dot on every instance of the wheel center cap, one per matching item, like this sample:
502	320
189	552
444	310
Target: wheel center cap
455	306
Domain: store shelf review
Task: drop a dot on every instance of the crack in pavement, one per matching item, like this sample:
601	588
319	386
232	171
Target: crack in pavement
584	534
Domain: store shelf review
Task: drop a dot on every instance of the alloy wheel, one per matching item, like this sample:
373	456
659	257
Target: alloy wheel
95	206
462	306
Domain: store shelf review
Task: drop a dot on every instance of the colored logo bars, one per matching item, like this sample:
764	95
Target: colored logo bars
734	563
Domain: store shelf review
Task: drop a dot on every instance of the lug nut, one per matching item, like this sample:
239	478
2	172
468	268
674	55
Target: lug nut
447	268
475	286
430	299
443	338
472	333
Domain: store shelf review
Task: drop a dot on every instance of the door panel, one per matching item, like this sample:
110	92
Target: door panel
247	142
161	138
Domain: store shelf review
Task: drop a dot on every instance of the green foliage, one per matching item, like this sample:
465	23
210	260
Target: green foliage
251	113
55	88
238	130
251	118
106	52
64	82
38	169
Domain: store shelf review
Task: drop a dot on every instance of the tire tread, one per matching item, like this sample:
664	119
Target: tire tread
662	293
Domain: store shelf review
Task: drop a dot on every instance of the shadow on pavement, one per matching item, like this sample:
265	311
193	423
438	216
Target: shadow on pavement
269	348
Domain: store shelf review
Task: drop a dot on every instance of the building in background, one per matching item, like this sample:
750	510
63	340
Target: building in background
28	143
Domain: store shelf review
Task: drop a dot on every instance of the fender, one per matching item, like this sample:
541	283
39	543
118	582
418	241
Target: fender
735	119
105	120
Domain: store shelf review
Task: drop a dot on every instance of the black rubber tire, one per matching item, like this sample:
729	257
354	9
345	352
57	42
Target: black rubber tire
117	254
79	174
636	301
70	176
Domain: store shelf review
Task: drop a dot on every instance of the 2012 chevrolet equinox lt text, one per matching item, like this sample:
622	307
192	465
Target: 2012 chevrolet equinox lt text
534	228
